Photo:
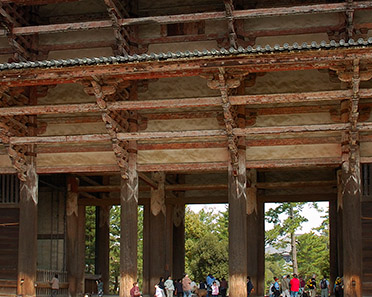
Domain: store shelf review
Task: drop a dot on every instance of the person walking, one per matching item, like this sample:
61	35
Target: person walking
294	285
135	292
169	286
223	287
285	286
250	286
324	287
158	291
186	286
99	288
338	289
275	289
311	284
215	290
55	285
179	289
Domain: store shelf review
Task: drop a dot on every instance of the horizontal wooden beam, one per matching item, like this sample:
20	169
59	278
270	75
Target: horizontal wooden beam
186	102
195	17
314	197
253	62
185	134
209	187
213	199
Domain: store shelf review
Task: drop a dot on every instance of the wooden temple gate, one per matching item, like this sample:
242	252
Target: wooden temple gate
237	102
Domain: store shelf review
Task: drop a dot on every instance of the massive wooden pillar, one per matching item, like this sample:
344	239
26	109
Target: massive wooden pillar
260	289
333	252
103	245
27	247
351	196
146	249
75	239
168	241
252	228
128	227
237	181
178	240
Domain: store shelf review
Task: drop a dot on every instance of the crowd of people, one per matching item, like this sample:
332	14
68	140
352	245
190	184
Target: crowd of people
211	287
286	287
298	287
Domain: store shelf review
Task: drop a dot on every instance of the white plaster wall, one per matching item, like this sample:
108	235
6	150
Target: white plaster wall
292	82
183	156
71	8
76	159
366	149
293	21
66	93
77	36
181	125
293	119
293	152
82	53
290	39
178	87
5	161
75	129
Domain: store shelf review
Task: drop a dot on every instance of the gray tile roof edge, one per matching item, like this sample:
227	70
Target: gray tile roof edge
187	54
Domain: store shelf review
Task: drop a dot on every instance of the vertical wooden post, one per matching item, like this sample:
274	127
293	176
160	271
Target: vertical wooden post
75	239
352	234
179	241
128	227
351	198
333	241
237	198
103	245
252	229
27	246
260	290
169	240
80	269
157	251
146	249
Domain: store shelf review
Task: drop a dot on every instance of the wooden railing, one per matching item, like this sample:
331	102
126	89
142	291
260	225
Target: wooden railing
43	279
9	188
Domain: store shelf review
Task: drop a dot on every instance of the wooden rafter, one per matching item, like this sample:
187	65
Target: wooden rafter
195	17
229	10
13	16
117	12
261	99
268	62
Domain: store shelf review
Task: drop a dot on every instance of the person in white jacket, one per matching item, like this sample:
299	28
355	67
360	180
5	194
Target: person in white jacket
169	287
158	291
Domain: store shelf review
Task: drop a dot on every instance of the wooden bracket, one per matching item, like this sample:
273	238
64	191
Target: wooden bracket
116	121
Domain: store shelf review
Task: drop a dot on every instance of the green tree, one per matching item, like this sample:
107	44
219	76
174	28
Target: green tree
90	239
284	231
313	250
206	243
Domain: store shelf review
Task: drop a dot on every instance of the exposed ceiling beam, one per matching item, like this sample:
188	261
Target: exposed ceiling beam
195	17
279	98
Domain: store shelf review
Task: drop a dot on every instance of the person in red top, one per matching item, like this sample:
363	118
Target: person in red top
135	292
295	285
